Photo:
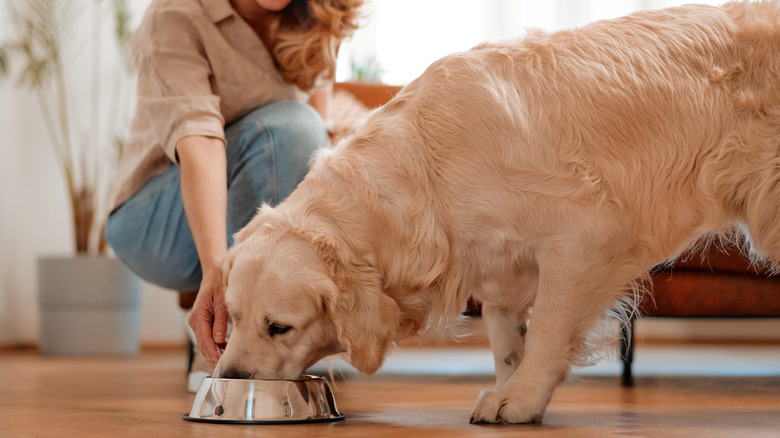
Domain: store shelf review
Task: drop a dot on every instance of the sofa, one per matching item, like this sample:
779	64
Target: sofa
717	282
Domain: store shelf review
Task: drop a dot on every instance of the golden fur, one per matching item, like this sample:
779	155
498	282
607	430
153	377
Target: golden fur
549	173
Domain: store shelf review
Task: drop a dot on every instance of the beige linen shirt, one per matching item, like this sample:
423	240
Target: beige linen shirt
200	66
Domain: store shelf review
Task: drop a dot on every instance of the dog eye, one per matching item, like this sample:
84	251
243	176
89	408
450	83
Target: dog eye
278	329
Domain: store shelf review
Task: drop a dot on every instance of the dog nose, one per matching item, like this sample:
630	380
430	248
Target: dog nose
234	372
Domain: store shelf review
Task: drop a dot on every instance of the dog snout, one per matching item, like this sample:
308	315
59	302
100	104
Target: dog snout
234	372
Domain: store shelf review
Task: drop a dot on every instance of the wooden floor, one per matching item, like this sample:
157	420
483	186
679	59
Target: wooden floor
145	396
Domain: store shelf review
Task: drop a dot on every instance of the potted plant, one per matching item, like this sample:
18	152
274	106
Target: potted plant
89	302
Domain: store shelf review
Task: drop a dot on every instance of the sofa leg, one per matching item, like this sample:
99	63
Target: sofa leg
627	352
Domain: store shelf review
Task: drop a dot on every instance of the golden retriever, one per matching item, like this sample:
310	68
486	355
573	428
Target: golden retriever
544	177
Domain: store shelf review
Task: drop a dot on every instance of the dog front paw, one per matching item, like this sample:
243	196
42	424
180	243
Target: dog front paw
488	407
497	406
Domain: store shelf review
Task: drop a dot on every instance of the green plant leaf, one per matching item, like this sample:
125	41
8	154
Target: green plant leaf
4	55
35	73
122	31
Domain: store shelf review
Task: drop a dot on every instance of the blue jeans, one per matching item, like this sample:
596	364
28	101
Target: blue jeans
268	154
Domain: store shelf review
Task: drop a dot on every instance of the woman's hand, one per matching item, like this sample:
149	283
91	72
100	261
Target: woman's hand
208	318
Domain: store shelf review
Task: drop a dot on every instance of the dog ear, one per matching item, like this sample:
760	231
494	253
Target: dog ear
365	317
227	266
258	222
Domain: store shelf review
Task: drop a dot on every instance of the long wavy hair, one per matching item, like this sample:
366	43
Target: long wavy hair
307	38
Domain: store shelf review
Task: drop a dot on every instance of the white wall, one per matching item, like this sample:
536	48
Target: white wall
35	214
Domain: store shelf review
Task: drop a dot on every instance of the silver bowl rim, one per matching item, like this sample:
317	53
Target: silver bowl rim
330	419
337	416
303	378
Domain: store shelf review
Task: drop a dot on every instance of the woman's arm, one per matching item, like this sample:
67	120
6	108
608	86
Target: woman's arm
204	193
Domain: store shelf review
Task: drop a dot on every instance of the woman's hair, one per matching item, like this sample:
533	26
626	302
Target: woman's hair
308	36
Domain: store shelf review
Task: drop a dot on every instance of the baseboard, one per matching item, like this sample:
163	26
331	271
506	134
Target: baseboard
15	347
711	331
163	346
154	346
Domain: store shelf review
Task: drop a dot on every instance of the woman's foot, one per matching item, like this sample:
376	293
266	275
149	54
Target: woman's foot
197	369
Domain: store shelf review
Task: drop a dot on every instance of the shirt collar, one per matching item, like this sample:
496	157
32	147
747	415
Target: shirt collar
218	10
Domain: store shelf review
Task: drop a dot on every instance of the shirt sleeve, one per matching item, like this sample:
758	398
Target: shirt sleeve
175	96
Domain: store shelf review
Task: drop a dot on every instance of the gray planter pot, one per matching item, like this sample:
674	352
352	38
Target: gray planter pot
89	306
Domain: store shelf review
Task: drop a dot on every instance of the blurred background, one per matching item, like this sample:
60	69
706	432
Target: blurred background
398	40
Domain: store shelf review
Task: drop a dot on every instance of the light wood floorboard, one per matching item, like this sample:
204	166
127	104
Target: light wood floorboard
145	396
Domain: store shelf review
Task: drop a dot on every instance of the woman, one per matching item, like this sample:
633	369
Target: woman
219	129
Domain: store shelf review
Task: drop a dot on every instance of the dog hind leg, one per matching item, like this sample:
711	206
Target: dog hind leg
506	332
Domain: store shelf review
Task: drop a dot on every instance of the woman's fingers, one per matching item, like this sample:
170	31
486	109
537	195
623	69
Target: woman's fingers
201	323
220	319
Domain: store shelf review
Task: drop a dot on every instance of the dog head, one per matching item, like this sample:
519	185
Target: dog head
295	297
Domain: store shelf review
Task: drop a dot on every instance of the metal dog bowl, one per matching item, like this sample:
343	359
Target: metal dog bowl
304	400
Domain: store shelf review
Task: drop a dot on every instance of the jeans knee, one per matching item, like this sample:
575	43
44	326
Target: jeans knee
295	143
288	125
115	237
299	125
270	149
